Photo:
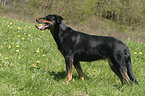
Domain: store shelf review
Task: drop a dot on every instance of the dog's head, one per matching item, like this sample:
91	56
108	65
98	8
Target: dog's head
49	21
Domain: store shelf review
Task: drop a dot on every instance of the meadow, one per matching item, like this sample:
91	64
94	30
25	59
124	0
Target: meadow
31	65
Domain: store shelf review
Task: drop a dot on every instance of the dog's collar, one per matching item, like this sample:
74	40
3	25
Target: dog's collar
63	26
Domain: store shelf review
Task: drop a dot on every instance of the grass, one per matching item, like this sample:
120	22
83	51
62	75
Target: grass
31	65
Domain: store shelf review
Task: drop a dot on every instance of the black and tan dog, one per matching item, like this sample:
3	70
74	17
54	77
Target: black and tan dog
76	46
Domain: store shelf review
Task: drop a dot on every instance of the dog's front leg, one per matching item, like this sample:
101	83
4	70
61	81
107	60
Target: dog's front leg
69	62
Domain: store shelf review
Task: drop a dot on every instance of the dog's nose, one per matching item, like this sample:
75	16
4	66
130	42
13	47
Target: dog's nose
37	20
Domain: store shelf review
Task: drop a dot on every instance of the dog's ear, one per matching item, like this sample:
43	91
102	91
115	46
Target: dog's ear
59	18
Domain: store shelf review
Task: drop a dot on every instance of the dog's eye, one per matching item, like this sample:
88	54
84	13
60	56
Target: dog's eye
45	18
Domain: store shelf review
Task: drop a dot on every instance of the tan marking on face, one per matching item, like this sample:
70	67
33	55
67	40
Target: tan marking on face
45	21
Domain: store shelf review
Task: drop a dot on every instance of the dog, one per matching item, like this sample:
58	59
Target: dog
77	46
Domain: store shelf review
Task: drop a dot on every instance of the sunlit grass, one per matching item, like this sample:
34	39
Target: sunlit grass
31	65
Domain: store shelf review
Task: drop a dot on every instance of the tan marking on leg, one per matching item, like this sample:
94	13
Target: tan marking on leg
110	63
69	77
69	74
125	76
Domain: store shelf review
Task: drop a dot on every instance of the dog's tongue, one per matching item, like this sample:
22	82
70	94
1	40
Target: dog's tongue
41	27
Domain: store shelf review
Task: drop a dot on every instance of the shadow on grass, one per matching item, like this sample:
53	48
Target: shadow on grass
62	75
57	75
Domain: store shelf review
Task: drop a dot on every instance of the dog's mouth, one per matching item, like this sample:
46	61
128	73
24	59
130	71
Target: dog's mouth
46	24
42	27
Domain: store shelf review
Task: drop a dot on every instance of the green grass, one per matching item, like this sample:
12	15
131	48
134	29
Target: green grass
31	65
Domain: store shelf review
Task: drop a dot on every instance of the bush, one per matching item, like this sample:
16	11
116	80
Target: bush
126	12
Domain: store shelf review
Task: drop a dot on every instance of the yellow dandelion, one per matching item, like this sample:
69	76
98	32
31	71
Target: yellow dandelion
17	46
19	28
24	27
17	50
135	52
37	61
9	46
18	36
16	20
0	54
29	35
101	77
12	43
43	55
23	38
37	51
34	65
11	23
29	27
40	24
4	16
42	31
9	38
6	58
140	53
95	71
8	25
4	21
19	57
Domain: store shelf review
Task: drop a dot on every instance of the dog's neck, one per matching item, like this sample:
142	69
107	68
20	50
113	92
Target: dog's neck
63	26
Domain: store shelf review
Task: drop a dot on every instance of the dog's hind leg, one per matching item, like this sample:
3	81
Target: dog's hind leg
124	74
115	70
120	67
79	69
120	71
129	71
125	67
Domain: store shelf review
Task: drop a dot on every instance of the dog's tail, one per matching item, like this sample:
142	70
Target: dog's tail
129	70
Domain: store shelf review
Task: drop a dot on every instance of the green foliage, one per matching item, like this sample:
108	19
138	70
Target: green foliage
31	65
126	12
3	8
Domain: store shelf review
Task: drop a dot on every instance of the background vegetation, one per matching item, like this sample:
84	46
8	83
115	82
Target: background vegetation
126	12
